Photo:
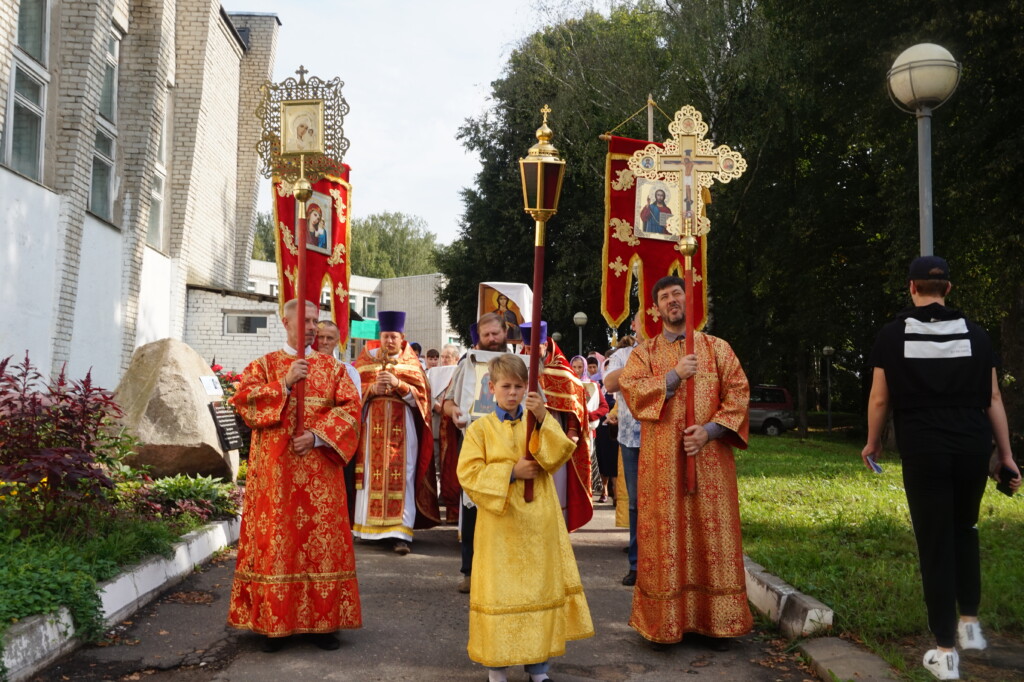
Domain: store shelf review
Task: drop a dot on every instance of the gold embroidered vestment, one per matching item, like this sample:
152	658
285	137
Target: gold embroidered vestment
690	566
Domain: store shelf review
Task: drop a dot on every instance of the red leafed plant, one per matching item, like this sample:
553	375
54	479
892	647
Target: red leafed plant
52	439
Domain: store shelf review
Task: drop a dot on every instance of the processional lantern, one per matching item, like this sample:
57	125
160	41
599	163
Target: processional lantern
542	172
302	140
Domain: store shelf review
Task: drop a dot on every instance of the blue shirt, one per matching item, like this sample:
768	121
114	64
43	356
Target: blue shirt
505	416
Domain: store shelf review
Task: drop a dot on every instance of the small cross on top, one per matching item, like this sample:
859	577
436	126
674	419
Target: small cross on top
302	71
545	110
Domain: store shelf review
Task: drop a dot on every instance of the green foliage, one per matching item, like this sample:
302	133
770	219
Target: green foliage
813	515
203	496
263	247
391	244
60	565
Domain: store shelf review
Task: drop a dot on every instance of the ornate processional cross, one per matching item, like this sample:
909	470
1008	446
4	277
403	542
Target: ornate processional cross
691	163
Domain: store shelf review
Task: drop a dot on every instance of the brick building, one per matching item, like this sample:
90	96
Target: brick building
128	171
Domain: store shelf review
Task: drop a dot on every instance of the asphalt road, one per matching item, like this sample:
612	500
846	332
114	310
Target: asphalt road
415	627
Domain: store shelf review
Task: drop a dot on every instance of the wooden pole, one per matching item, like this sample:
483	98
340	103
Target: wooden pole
691	460
302	193
533	381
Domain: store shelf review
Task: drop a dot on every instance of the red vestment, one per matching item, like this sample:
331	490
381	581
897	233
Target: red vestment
381	467
296	570
690	566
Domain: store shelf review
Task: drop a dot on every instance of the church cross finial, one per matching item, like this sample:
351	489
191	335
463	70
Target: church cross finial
545	110
302	71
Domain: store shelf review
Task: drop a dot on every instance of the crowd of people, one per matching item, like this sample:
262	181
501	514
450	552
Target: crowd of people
400	435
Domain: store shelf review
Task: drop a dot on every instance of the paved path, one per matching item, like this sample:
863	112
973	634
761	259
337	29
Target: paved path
414	628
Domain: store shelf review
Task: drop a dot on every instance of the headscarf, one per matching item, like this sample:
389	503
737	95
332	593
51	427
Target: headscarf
586	376
600	366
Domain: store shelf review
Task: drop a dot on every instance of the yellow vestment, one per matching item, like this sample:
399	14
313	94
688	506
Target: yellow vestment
526	598
690	566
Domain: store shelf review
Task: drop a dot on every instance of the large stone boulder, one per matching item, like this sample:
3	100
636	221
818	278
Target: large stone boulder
167	407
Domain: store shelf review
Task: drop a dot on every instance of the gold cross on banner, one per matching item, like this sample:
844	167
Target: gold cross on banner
690	162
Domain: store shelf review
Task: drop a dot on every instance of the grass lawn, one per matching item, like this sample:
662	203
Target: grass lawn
815	517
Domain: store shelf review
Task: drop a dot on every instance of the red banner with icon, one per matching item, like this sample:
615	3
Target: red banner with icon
327	244
637	244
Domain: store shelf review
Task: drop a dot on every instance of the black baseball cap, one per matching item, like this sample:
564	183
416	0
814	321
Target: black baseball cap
929	267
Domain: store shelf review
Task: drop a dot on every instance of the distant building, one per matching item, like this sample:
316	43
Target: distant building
128	171
426	320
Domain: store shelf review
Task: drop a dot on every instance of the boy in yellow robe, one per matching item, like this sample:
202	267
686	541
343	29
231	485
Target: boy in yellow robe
526	598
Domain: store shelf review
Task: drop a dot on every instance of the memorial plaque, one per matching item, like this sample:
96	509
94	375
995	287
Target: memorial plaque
229	426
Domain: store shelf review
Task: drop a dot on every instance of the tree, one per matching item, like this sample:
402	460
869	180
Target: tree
263	240
390	244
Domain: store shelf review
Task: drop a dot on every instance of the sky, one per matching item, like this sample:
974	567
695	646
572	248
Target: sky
413	70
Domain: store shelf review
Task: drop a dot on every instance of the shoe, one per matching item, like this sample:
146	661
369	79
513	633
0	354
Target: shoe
719	643
602	499
271	645
464	585
968	636
327	641
402	548
944	665
630	579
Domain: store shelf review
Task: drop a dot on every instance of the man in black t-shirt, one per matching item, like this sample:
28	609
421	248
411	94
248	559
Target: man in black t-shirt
937	371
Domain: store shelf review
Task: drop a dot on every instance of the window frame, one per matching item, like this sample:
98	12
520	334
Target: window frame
32	70
227	332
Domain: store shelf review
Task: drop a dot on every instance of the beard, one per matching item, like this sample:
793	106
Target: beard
494	346
674	316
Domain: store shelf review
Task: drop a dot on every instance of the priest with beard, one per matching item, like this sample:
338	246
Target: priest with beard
690	575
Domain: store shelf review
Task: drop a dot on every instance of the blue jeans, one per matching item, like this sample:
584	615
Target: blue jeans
533	668
630	465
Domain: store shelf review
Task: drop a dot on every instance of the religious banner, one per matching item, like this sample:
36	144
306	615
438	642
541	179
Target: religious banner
327	243
641	238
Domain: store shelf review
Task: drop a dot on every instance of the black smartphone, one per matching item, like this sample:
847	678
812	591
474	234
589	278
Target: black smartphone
1006	474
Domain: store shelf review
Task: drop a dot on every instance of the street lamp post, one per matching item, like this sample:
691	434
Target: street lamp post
921	79
828	351
580	319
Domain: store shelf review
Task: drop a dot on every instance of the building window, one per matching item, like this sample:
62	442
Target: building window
244	324
250	286
101	197
273	290
32	29
26	122
370	307
108	96
155	233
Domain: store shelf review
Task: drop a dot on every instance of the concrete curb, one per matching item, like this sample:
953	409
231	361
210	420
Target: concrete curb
795	613
33	643
798	615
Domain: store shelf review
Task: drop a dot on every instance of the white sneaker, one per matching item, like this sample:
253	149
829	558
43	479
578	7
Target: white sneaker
945	665
969	636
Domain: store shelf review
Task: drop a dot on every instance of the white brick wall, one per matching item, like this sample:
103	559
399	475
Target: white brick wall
206	335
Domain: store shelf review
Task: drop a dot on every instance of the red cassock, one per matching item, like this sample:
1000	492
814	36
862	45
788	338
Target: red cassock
566	396
296	570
